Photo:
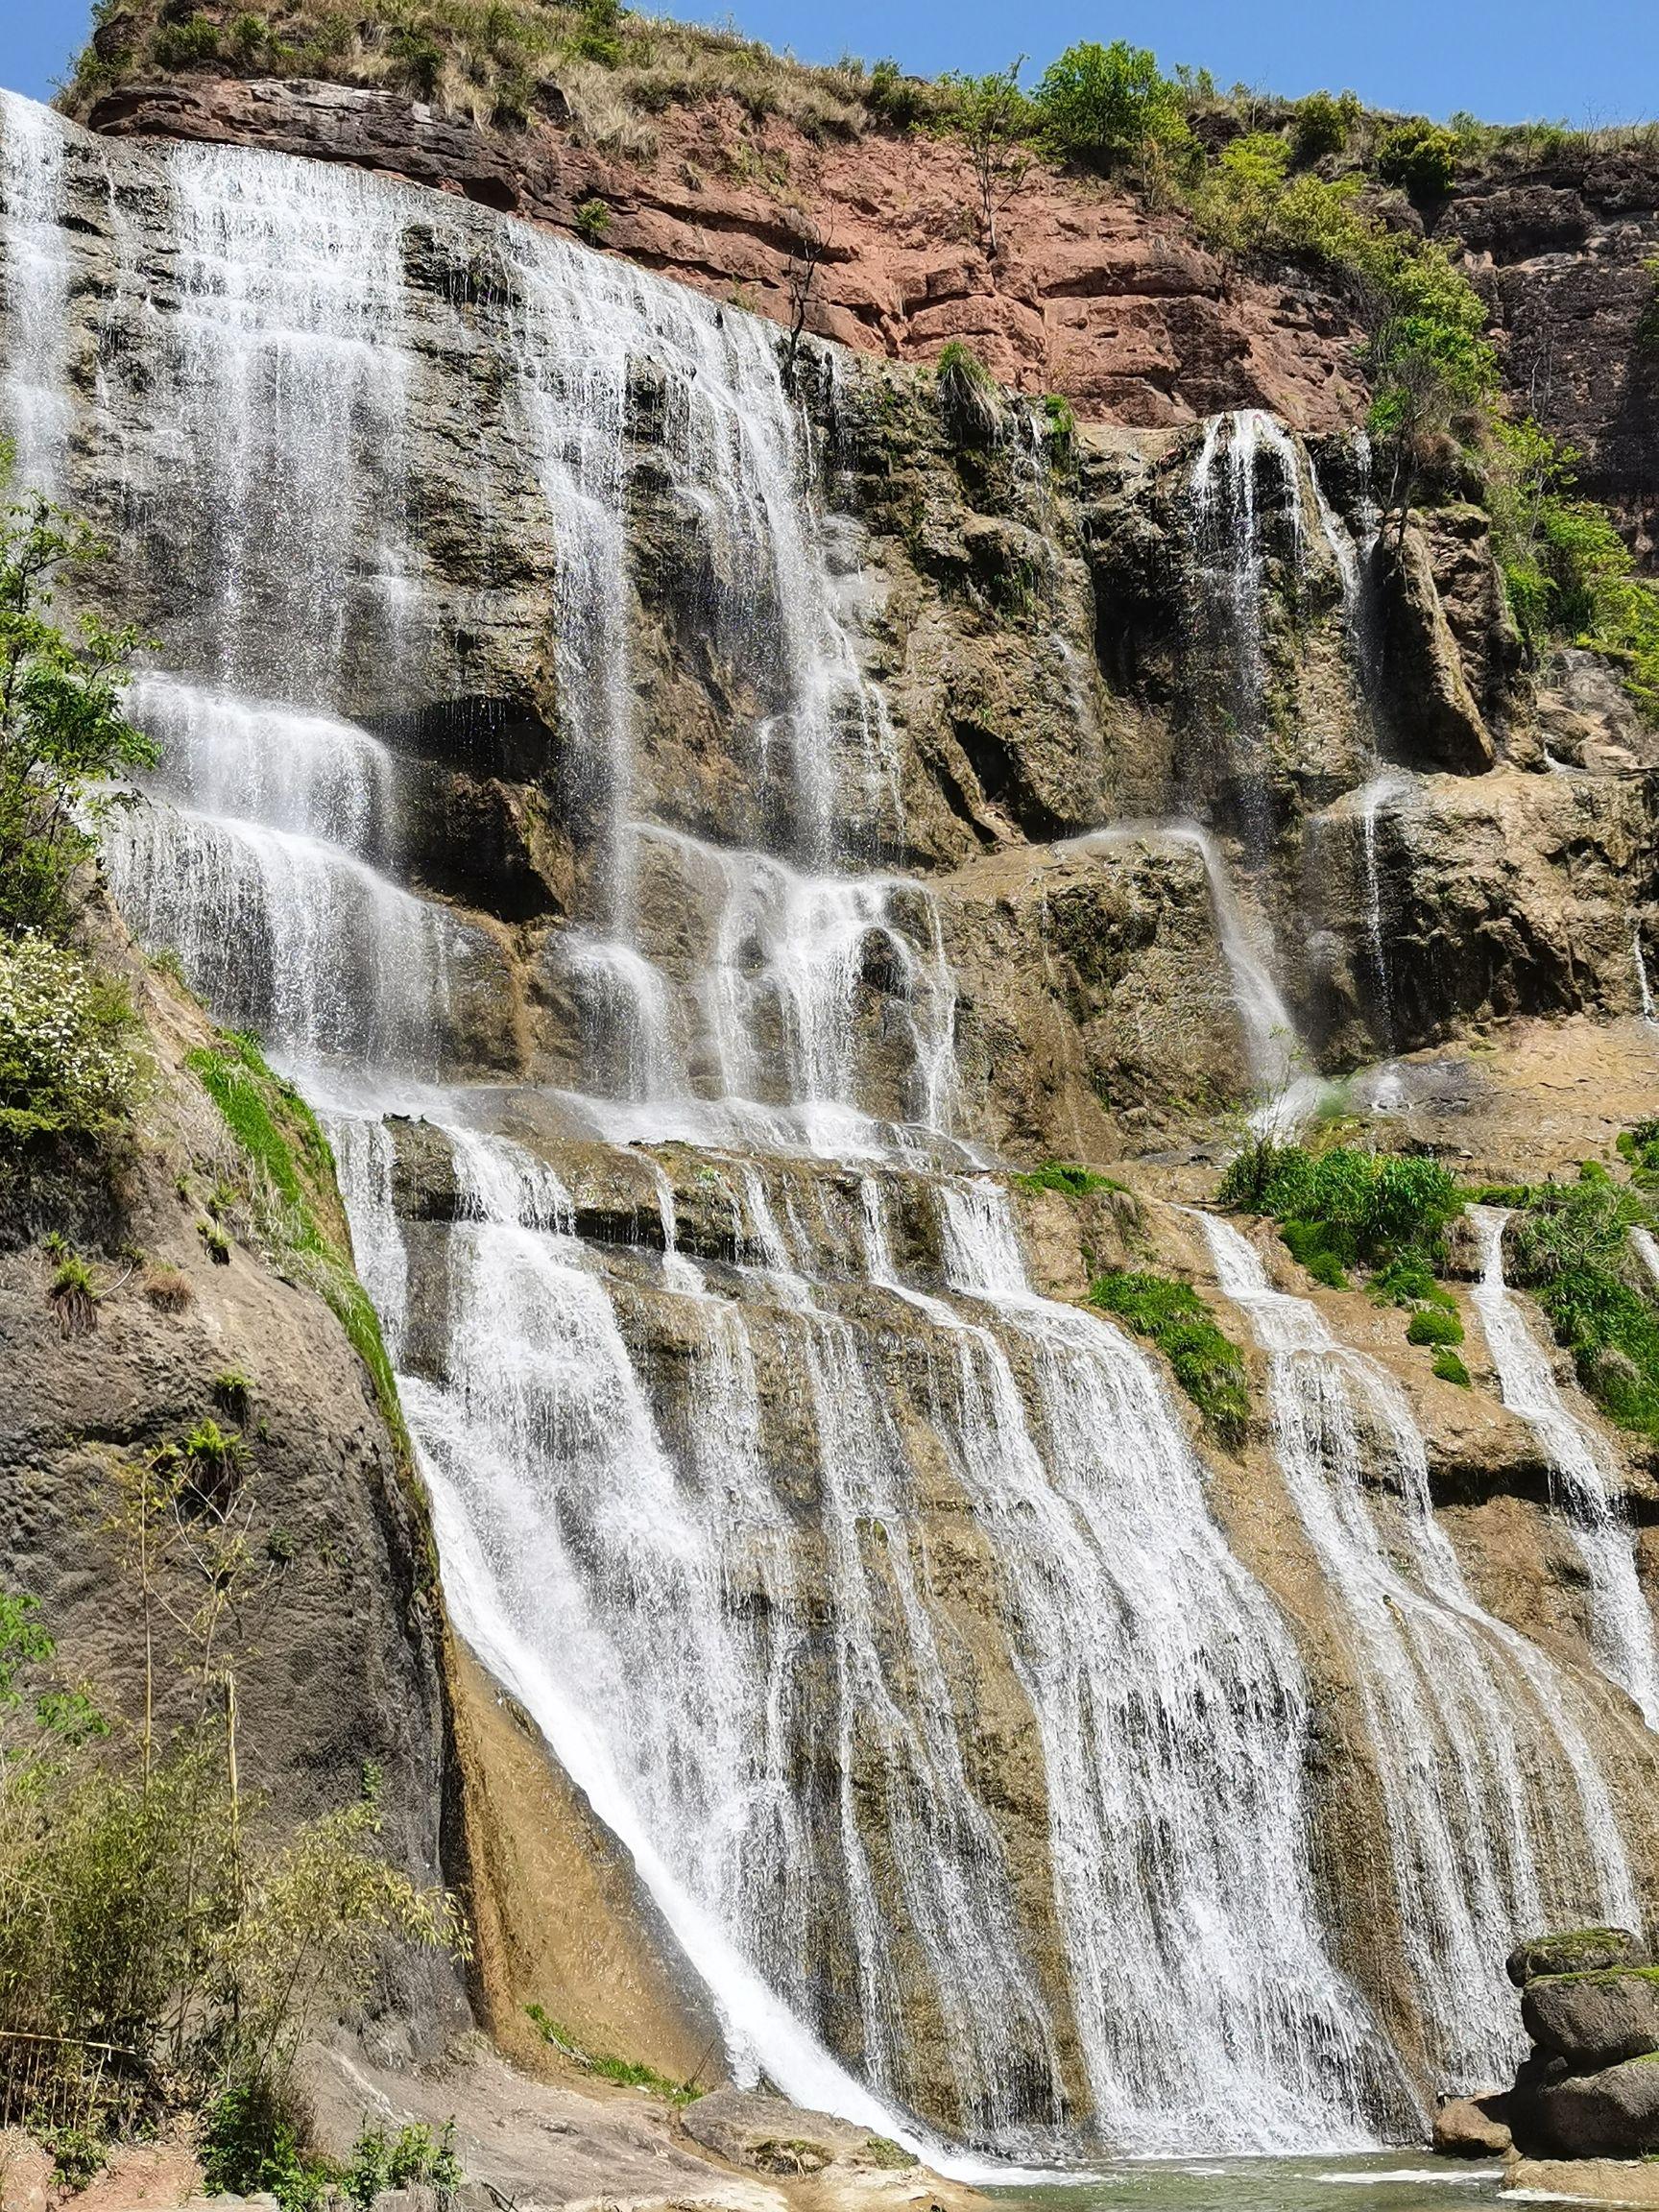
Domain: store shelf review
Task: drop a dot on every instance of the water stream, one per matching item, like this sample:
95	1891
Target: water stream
1500	1821
1622	1623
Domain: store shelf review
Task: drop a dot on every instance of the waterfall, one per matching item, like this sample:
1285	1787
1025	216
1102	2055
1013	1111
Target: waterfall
1173	1721
1647	1252
1285	1090
1499	1820
35	410
1386	788
1586	1481
1229	544
873	1603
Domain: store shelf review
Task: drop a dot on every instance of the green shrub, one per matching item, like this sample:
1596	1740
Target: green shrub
1344	1206
1207	1363
66	1067
1322	125
896	99
1451	1370
1312	1246
251	2144
1418	156
419	56
1640	1146
62	734
1408	1282
413	2157
1572	1250
1060	422
1111	105
188	46
592	222
140	1905
1435	1325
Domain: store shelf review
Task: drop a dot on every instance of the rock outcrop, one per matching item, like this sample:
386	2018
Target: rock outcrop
1589	2089
1122	311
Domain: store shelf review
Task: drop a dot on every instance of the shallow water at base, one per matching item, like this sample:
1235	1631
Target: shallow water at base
1405	2180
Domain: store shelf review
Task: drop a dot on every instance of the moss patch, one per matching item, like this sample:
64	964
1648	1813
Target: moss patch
292	1194
1205	1362
1070	1180
626	2073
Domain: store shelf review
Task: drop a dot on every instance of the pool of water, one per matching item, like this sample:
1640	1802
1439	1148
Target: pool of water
1406	2180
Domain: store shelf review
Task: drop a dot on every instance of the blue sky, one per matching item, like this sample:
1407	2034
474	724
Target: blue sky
1506	59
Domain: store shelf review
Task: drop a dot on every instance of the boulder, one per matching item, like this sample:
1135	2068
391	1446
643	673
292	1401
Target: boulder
1578	1951
769	2135
1471	2127
1611	2114
1594	2020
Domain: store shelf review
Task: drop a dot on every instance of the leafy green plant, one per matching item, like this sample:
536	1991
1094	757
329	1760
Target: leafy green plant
67	1073
1420	157
1343	1208
73	1297
1322	125
419	56
1450	1368
1572	1250
292	1173
1205	1362
216	1242
146	1930
1111	107
189	45
251	2143
233	1390
412	2157
989	115
1435	1325
592	222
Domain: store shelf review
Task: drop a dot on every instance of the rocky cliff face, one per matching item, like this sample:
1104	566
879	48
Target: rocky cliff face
695	822
1564	253
1121	310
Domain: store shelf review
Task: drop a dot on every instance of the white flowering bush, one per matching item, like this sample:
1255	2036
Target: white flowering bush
65	1067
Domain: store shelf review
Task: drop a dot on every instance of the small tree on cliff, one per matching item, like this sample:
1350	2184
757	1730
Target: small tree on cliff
62	732
988	114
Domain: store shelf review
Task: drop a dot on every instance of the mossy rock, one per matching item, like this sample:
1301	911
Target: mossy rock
1577	1951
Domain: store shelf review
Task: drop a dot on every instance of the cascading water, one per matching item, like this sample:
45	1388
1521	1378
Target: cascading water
1229	542
1286	1091
1164	1690
1387	788
34	409
697	1498
1586	1485
1499	1822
